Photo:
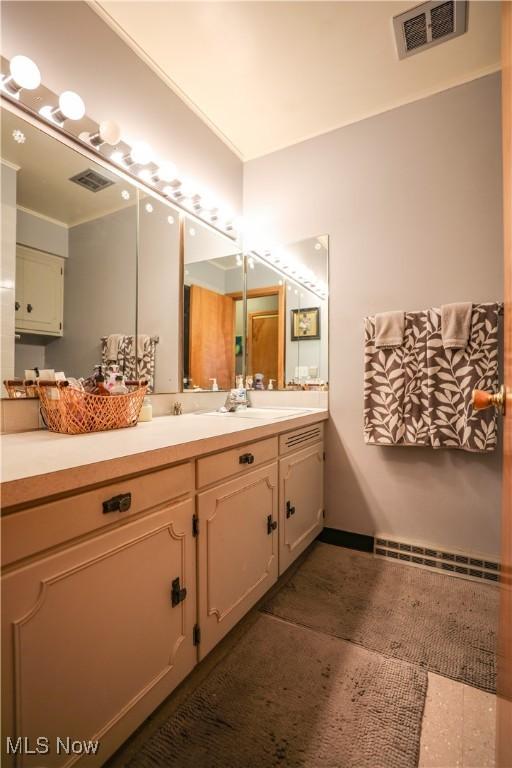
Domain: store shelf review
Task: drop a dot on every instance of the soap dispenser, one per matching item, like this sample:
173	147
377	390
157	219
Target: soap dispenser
215	386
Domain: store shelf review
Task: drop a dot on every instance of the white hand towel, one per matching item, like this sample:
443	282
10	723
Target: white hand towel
389	329
112	349
456	324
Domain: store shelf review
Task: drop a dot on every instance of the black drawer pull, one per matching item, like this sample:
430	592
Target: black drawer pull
271	525
289	509
246	458
120	503
29	307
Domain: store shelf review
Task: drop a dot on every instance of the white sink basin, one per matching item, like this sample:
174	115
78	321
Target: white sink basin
265	413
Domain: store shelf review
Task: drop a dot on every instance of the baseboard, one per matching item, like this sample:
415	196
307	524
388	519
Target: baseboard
347	539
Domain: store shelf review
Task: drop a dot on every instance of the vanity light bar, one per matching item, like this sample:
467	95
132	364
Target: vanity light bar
135	159
292	271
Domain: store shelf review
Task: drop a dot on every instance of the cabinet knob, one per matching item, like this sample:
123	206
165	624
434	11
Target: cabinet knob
246	458
289	509
17	305
120	503
29	307
178	593
271	525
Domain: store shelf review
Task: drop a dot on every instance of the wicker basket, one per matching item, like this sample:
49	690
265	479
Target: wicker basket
20	388
73	412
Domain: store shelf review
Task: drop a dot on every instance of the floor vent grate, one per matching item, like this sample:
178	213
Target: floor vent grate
454	563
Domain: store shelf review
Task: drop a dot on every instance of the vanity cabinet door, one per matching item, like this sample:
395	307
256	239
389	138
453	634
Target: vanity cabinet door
96	636
238	550
301	502
39	291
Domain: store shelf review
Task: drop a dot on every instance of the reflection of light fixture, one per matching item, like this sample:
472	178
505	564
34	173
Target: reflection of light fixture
125	194
109	132
71	107
170	219
145	175
318	246
18	136
192	231
24	74
149	208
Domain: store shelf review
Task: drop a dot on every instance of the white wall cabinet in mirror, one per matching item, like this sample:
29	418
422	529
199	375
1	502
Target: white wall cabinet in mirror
69	256
212	301
159	286
287	316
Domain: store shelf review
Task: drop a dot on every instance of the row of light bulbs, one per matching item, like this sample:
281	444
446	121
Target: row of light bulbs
301	275
24	74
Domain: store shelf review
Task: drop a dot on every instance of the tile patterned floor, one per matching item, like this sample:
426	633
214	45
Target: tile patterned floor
458	728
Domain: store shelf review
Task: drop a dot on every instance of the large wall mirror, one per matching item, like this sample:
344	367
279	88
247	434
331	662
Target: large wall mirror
96	270
287	316
213	277
69	255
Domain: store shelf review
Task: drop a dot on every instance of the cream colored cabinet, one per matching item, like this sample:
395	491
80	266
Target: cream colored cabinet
39	292
97	635
301	502
237	550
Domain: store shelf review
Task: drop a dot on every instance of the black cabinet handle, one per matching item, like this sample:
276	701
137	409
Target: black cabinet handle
17	305
120	503
289	509
246	458
271	524
29	307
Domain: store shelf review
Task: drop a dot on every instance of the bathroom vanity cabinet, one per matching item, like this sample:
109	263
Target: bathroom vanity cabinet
39	302
112	594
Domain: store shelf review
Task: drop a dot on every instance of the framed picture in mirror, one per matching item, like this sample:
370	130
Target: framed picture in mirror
306	324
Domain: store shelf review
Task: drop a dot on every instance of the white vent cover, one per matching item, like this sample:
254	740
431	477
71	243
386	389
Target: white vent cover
91	180
429	24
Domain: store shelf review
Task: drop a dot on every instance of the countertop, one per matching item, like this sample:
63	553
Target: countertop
41	464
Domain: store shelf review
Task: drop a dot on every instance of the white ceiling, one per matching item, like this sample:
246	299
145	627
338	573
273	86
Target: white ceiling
265	75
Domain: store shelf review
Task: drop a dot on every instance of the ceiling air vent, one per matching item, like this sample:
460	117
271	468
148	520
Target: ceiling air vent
429	24
91	180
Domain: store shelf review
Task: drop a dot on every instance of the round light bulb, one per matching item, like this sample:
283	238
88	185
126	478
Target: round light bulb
318	246
141	153
125	194
167	172
71	105
145	175
192	231
168	191
110	132
149	208
25	72
170	219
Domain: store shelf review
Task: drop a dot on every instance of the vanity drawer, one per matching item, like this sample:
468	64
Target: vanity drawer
213	469
301	438
38	528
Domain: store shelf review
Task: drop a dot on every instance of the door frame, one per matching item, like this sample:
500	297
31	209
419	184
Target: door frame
258	293
504	682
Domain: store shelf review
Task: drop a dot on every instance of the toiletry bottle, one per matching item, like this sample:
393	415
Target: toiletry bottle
100	388
271	384
215	386
146	412
118	388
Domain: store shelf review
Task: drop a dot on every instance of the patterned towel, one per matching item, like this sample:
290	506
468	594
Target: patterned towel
395	393
132	366
453	374
419	394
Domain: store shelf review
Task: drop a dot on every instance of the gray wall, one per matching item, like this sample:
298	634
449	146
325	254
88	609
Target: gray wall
99	290
412	202
76	50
